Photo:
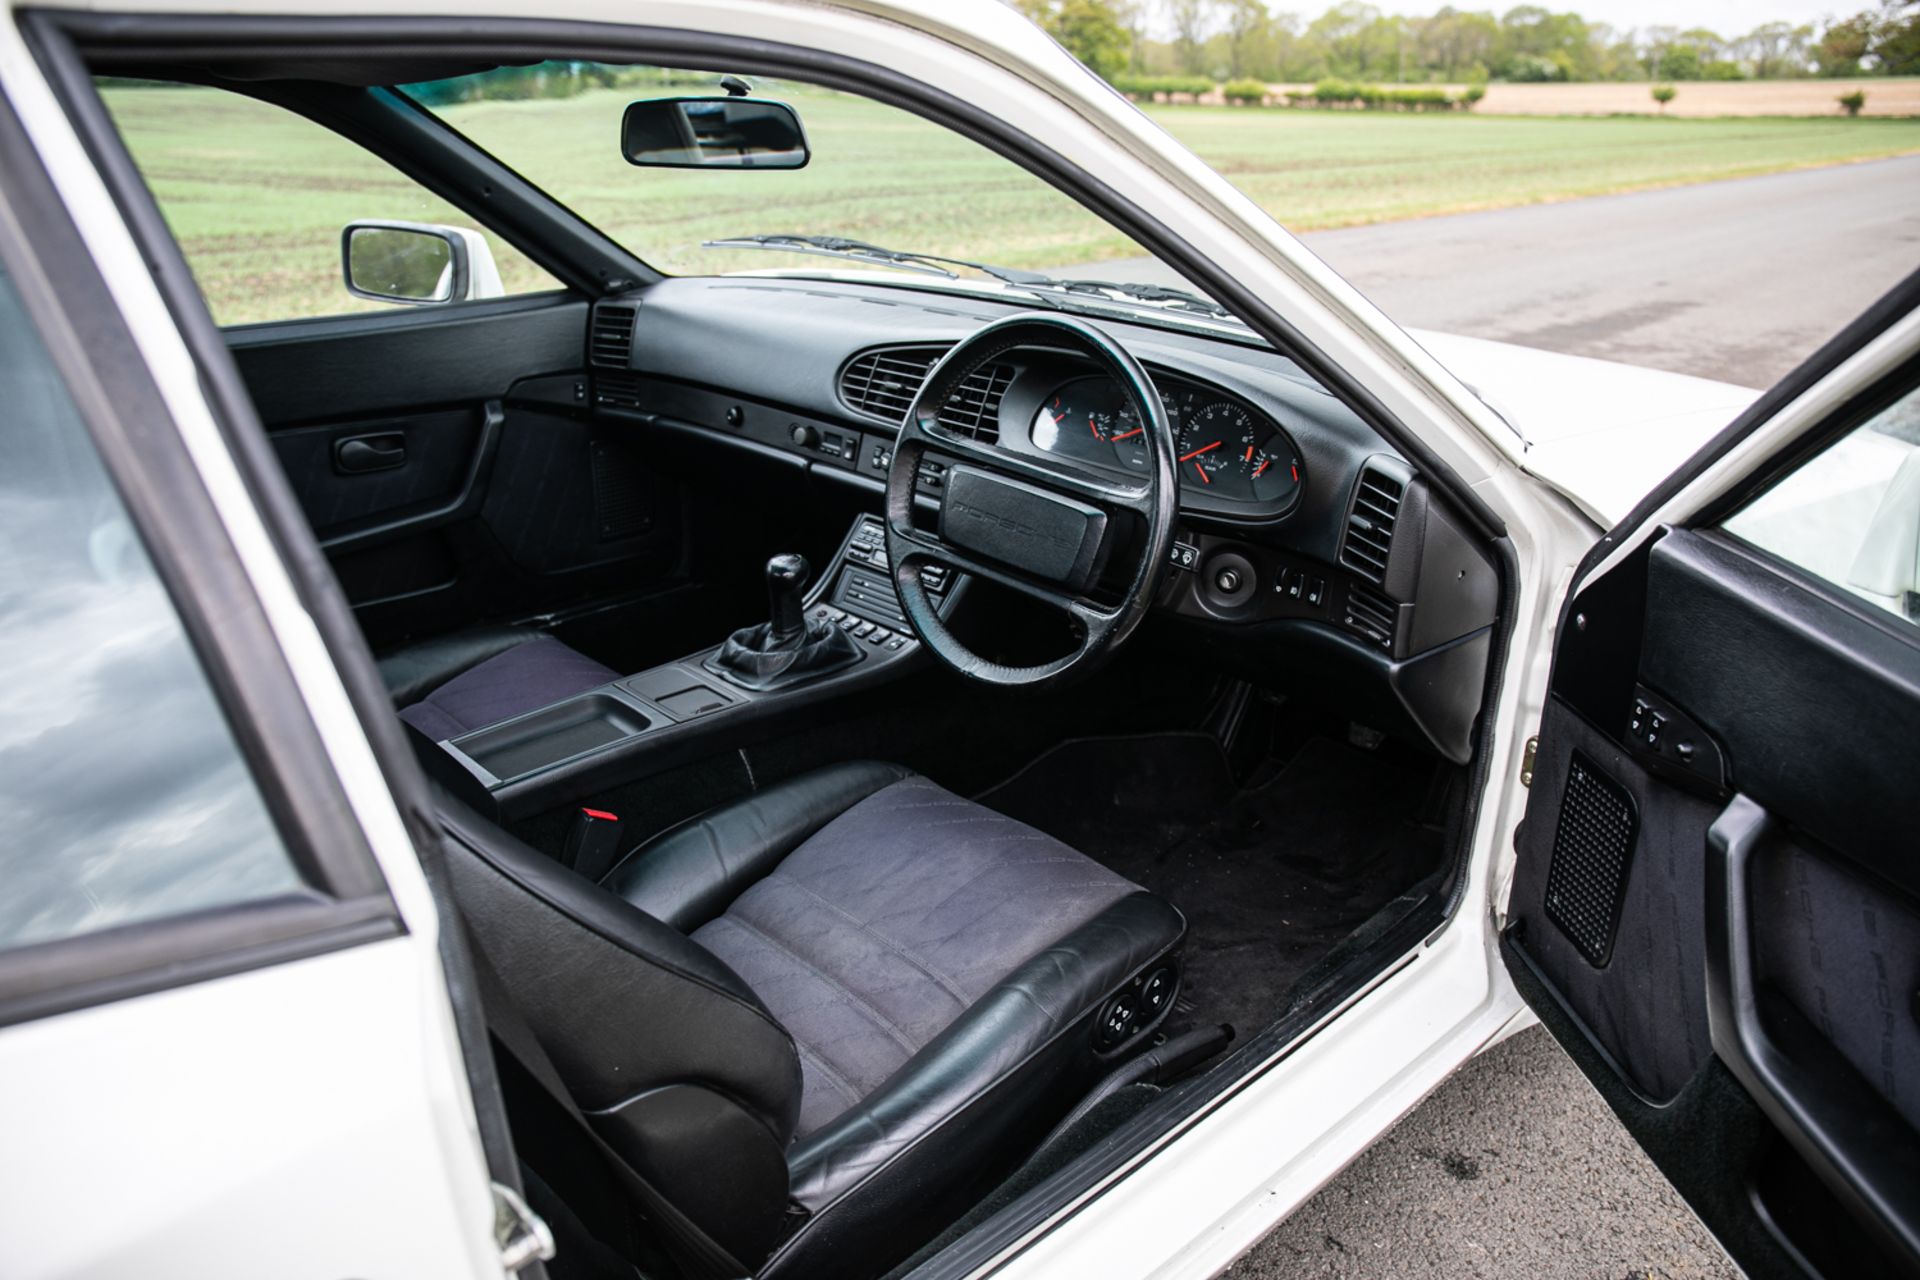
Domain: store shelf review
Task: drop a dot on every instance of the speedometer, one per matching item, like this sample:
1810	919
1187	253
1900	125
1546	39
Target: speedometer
1215	443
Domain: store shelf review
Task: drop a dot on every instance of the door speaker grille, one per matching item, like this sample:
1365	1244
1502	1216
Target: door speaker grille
622	498
1592	851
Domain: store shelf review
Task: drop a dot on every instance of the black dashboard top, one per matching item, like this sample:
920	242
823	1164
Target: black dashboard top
1307	446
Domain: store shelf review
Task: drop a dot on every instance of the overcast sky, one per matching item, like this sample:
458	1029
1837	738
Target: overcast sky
1728	17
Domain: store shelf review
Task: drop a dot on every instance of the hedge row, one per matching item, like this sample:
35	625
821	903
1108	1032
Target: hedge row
1328	93
1378	97
1138	86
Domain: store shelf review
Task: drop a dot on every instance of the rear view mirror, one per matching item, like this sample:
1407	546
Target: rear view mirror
712	133
417	263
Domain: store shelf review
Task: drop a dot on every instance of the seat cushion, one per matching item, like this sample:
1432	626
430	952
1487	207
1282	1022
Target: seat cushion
413	672
525	677
873	936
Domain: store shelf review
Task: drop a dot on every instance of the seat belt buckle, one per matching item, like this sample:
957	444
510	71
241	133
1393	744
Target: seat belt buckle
593	842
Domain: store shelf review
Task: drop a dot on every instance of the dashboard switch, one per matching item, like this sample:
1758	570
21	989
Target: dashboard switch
1185	556
803	435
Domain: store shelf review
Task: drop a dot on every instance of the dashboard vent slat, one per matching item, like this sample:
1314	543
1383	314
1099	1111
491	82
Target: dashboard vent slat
974	407
882	384
1372	615
1370	521
619	390
610	342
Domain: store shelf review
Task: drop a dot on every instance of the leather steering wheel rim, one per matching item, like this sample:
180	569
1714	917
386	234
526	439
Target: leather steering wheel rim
1100	628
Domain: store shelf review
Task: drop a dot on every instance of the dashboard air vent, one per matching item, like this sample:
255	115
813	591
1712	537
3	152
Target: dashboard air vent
610	343
617	390
974	408
882	384
1369	536
1370	614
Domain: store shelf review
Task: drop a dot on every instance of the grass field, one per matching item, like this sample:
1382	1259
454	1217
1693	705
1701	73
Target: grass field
258	197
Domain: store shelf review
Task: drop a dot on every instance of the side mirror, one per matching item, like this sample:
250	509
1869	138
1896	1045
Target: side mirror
712	133
417	263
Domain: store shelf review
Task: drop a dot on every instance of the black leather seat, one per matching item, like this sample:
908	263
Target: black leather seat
456	683
817	1019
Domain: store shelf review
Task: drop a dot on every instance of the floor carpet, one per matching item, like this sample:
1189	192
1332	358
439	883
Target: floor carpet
1271	875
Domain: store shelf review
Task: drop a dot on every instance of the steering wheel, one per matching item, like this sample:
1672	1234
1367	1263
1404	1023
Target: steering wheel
1026	523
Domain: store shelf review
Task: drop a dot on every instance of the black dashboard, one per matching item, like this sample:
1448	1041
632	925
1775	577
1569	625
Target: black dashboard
1303	535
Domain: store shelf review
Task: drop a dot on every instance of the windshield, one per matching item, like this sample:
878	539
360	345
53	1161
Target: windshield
877	176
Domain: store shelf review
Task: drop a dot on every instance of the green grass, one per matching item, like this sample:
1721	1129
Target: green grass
258	197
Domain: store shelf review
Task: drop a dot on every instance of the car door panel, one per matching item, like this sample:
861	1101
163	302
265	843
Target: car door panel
362	480
450	466
304	371
1749	1014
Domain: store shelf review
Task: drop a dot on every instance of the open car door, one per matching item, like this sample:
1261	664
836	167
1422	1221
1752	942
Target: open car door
1716	901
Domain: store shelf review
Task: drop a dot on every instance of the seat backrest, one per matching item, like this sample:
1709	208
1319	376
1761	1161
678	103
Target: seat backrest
667	1051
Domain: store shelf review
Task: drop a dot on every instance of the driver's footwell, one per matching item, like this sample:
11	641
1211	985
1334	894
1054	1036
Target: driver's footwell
1271	875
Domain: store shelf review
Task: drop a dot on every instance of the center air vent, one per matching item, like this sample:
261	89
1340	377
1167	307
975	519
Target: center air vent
1369	535
882	384
610	343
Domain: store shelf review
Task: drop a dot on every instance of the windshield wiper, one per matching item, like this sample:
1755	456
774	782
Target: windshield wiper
1167	296
1176	299
861	251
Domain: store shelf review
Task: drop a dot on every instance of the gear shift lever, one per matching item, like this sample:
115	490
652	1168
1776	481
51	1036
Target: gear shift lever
787	648
786	577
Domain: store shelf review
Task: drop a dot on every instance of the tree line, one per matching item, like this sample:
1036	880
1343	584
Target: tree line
1247	40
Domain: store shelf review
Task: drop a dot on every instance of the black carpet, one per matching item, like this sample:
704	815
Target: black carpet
1270	876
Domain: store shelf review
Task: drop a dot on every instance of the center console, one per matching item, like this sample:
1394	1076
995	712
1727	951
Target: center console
705	702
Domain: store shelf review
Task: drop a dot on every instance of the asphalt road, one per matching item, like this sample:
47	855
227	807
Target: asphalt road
1515	1168
1735	280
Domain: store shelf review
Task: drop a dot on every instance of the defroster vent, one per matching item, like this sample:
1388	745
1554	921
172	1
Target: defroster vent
610	343
1370	521
882	384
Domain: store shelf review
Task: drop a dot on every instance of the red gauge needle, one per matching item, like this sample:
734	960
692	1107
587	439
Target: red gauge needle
1262	467
1092	428
1128	434
1202	470
1250	456
1205	448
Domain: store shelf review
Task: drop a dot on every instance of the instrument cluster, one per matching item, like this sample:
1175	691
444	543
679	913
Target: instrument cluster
1226	449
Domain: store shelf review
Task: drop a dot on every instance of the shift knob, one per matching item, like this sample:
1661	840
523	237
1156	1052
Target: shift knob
786	579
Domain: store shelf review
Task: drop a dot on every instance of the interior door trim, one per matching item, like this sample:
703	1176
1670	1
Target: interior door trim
1848	1134
463	505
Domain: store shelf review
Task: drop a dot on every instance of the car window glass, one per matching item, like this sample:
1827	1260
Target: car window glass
123	795
876	174
1851	515
258	198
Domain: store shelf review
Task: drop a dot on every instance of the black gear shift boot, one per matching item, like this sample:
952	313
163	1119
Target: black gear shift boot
790	648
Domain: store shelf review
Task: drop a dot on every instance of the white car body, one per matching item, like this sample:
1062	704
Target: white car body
379	1162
